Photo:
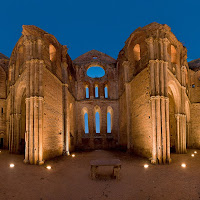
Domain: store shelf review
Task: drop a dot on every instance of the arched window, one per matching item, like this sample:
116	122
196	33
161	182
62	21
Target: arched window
136	52
173	54
87	92
97	122
109	119
52	52
108	122
96	91
106	91
86	123
95	72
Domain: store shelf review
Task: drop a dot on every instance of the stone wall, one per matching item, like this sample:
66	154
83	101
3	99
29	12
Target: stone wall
194	137
53	116
141	127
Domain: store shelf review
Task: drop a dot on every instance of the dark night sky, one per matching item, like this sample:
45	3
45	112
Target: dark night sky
103	25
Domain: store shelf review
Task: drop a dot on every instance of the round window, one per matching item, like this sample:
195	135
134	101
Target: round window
95	72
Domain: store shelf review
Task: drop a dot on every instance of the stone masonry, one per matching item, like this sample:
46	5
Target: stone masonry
153	97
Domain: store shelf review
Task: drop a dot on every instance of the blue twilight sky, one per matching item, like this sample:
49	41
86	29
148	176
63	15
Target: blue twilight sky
103	25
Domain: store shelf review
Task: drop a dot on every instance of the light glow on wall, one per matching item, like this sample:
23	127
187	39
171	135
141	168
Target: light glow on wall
48	167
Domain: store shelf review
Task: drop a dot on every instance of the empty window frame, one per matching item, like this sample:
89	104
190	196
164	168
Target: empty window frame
108	122
87	94
173	54
52	53
96	91
136	52
86	123
97	122
109	119
106	91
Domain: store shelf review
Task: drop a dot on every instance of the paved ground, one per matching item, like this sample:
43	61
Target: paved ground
69	179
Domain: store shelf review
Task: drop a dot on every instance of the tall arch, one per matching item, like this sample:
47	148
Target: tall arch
109	119
177	119
98	119
136	52
20	119
85	120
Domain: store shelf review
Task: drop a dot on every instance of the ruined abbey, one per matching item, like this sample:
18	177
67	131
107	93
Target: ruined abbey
150	94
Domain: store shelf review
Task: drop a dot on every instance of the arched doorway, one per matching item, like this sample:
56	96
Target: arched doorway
22	124
172	123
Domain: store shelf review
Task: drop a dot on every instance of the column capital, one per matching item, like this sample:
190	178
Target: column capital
165	41
149	40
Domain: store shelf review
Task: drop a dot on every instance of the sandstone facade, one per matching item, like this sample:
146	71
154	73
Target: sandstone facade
152	97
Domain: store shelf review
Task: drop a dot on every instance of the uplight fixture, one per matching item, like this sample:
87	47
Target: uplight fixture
183	165
146	166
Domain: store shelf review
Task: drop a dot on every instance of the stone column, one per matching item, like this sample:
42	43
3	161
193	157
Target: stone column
26	160
167	131
158	129
165	52
159	101
128	99
66	120
153	117
178	133
188	125
17	119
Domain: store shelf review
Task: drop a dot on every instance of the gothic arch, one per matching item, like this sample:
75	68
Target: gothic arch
98	109
83	112
174	91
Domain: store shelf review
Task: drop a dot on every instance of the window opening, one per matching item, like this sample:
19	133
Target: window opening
136	52
96	91
86	123
97	120
106	91
108	122
87	92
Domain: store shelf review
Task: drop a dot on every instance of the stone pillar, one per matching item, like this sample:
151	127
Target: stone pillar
34	113
159	101
128	99
66	120
188	125
26	160
153	117
17	119
163	122
178	133
167	131
181	133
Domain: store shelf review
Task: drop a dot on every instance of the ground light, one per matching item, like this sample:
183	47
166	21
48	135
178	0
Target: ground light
73	155
183	165
48	167
192	155
12	165
195	151
146	166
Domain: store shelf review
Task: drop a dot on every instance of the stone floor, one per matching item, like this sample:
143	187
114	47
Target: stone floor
69	178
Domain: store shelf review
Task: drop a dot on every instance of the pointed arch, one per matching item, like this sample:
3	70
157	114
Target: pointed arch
85	120
109	119
98	119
